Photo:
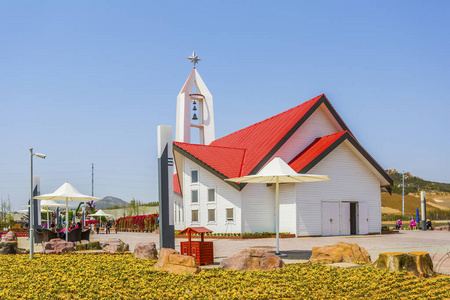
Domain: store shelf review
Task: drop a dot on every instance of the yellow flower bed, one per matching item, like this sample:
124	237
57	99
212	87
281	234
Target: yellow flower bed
104	276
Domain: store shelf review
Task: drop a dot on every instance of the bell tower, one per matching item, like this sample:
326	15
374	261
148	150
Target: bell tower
195	109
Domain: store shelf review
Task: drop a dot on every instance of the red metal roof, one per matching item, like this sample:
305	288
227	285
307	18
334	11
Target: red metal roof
176	184
242	152
259	139
314	150
227	161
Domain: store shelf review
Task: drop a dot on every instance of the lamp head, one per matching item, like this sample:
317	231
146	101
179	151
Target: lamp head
40	155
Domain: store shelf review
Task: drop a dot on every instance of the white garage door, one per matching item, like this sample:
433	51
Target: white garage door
363	218
330	218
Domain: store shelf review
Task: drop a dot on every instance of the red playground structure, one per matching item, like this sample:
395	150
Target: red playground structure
202	251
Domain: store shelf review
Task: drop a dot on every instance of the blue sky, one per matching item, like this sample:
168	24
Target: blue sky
89	81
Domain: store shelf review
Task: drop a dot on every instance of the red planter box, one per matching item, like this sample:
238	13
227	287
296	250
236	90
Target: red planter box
203	252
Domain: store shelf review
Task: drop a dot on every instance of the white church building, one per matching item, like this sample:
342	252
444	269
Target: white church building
311	137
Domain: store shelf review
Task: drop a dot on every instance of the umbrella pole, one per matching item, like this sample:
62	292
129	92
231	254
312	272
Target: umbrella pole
67	220
277	214
47	218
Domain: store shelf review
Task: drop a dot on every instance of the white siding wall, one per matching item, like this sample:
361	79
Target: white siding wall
351	180
317	125
288	216
178	212
258	208
226	197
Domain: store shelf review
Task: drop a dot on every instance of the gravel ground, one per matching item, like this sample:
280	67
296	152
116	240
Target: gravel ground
437	243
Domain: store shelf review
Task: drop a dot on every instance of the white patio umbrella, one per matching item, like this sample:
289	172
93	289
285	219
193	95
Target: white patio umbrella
68	193
278	171
100	213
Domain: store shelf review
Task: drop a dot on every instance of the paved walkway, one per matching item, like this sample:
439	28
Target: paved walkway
436	243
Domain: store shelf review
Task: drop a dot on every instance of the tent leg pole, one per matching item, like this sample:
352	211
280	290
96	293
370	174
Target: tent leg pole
277	215
67	220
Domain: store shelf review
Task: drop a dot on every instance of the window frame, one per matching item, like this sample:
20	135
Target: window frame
192	196
215	195
198	175
192	216
214	214
226	215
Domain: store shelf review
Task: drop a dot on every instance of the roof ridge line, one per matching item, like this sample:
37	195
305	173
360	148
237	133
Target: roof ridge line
277	115
223	147
242	163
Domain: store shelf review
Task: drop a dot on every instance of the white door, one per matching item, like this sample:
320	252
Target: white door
363	218
330	218
345	218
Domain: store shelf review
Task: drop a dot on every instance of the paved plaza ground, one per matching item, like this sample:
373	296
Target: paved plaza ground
436	243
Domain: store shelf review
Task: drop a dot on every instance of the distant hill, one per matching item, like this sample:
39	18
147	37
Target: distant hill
437	195
110	201
414	184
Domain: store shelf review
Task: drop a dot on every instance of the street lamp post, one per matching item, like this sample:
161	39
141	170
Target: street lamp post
31	216
403	193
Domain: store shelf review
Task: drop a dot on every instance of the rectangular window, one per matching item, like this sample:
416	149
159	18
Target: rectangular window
194	196
175	214
194	216
211	195
194	176
230	214
211	215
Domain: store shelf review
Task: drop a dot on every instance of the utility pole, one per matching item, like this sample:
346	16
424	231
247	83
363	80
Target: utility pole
403	193
92	180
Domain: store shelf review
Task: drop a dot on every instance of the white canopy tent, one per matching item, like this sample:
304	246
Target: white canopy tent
68	193
26	211
50	203
100	213
278	171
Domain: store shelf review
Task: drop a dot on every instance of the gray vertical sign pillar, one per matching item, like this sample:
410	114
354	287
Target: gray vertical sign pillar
423	203
37	205
83	215
165	187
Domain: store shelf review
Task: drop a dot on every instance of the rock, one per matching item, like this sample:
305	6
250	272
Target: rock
253	259
173	262
11	236
340	252
446	228
80	247
115	246
145	251
94	245
57	246
10	247
417	263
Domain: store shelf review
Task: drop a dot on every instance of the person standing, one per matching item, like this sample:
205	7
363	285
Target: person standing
108	227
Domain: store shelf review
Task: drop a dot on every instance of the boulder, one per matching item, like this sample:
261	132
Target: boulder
417	263
340	252
57	246
173	262
94	245
80	247
10	247
253	259
115	246
145	251
11	236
